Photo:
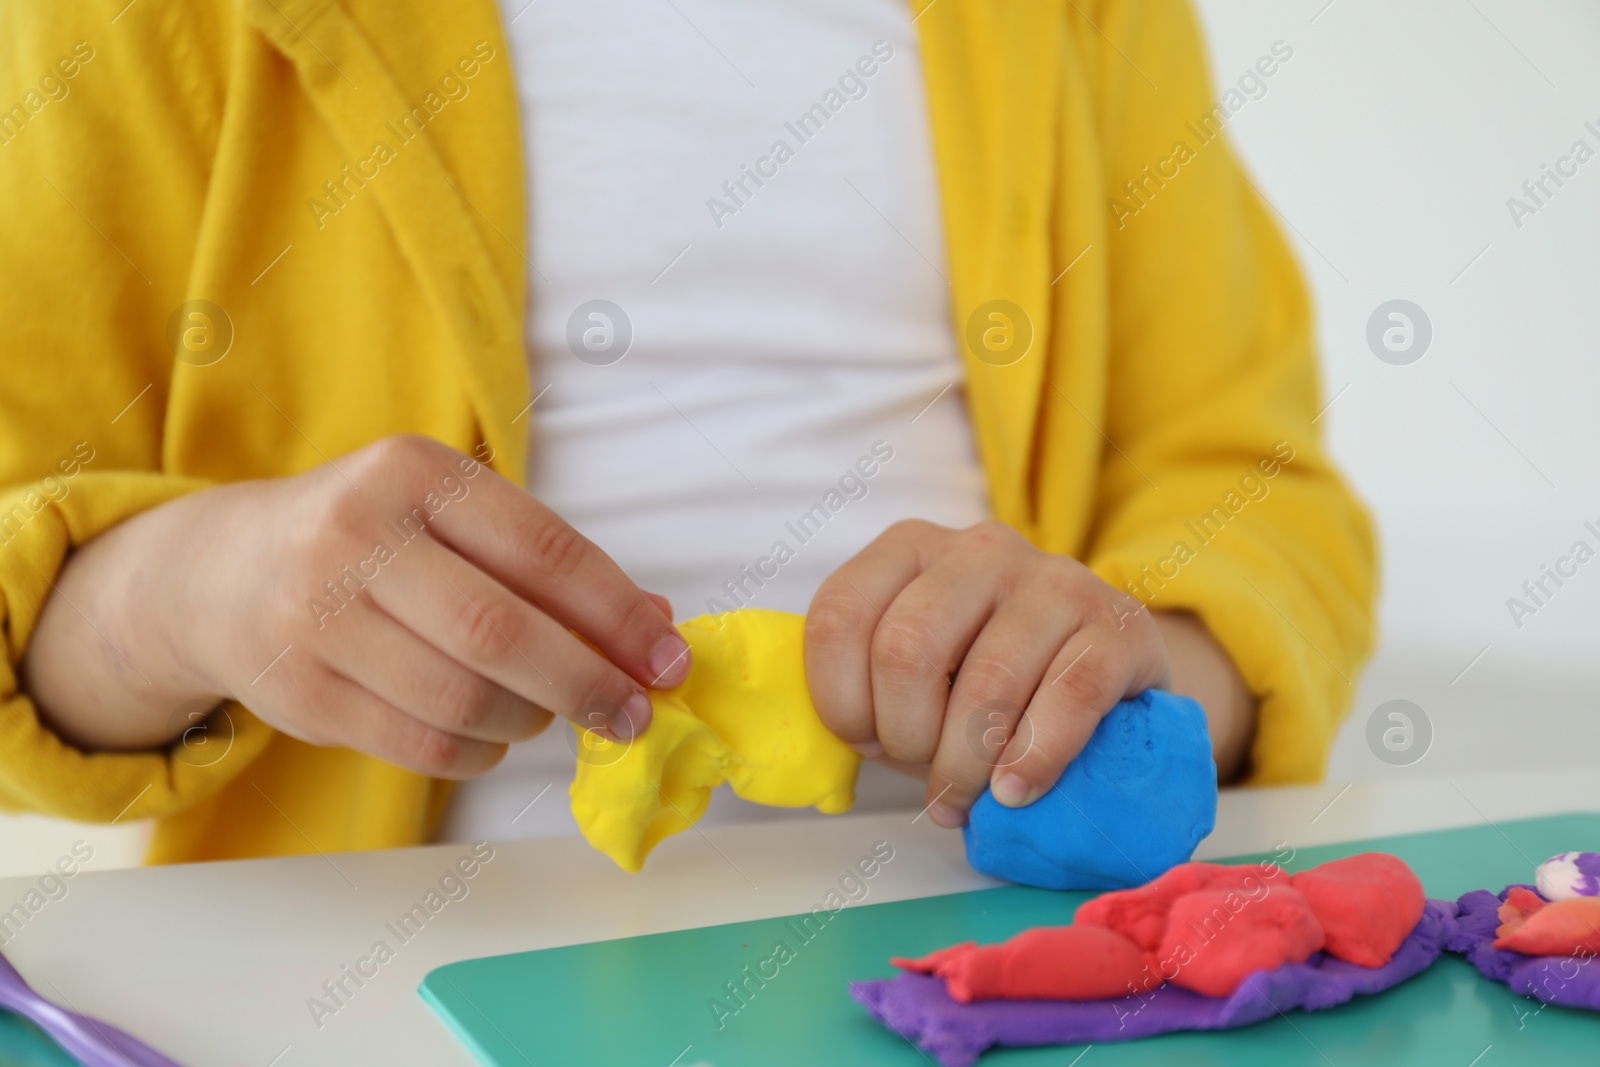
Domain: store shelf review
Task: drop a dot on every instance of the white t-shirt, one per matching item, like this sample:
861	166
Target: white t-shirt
739	332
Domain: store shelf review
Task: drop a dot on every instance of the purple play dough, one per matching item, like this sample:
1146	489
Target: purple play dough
917	1007
1588	864
1571	981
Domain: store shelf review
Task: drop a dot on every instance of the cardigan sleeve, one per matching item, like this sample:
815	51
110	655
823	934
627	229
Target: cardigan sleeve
1218	498
103	162
40	524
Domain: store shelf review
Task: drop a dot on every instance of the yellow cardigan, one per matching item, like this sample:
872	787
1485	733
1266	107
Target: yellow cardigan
155	154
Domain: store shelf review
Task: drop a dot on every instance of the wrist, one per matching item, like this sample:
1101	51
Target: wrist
170	595
1203	670
105	664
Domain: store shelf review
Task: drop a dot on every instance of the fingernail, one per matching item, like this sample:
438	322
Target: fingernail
946	816
1010	790
669	662
631	719
868	749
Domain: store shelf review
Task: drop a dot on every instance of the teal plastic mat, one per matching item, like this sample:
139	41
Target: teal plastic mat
650	1000
24	1045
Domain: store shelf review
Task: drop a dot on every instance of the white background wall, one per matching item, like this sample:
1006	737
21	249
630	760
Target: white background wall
1390	143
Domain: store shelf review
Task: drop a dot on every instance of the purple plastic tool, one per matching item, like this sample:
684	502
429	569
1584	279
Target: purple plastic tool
91	1042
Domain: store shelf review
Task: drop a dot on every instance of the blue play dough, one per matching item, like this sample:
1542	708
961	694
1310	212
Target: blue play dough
1134	804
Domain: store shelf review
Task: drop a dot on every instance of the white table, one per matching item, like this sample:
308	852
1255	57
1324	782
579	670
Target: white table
215	963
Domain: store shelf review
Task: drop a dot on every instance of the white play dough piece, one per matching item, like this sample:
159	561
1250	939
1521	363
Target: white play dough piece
1570	874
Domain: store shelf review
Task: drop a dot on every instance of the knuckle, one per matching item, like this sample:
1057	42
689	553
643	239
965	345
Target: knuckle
834	620
641	622
293	609
380	462
556	549
911	531
603	696
528	720
489	630
1139	621
909	748
464	701
897	648
1068	607
1097	606
342	518
960	783
992	533
403	451
909	527
312	729
987	680
841	721
436	752
396	470
1068	576
539	720
991	529
301	704
1059	586
1086	682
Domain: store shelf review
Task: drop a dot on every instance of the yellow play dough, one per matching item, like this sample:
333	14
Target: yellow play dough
743	716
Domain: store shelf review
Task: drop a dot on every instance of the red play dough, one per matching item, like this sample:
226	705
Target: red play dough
1141	914
1042	963
1206	927
1519	904
1216	938
1564	928
931	963
1367	905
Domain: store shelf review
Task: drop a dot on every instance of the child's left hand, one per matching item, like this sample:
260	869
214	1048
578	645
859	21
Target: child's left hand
975	652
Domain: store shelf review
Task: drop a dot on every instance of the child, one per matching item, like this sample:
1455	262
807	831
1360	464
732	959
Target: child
987	332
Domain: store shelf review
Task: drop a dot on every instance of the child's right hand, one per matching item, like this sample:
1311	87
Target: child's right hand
462	638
